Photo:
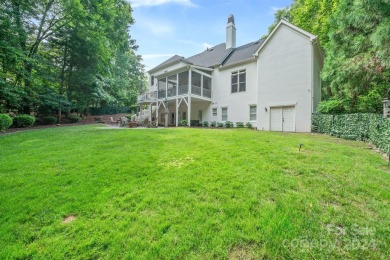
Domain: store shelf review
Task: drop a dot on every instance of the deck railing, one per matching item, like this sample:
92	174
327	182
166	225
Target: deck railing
171	92
162	94
149	96
182	90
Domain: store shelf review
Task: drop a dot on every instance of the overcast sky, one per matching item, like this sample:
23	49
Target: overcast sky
164	28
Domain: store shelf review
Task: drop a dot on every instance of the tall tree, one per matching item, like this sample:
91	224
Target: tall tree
56	51
357	60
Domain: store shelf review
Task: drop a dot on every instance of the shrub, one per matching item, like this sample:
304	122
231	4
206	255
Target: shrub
332	106
74	119
49	120
24	120
183	122
249	125
213	124
5	122
240	125
220	124
205	124
228	124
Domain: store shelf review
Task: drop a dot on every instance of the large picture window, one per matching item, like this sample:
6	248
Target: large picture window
239	81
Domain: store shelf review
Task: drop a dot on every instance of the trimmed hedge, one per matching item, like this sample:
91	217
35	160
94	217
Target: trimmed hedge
24	121
5	122
372	128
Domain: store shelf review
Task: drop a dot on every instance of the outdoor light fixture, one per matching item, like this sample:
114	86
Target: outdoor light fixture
266	109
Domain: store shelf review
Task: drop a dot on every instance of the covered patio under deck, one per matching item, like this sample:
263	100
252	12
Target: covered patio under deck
173	111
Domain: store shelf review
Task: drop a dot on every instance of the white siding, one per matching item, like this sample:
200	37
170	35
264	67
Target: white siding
284	78
237	103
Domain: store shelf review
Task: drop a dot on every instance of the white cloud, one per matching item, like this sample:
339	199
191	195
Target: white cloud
157	27
138	3
207	45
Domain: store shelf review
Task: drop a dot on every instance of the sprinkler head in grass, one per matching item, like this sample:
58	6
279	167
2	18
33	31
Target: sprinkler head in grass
300	146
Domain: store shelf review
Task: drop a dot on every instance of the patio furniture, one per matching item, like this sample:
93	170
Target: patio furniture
113	121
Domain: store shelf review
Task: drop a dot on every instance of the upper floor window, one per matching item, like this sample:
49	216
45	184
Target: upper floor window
238	81
152	81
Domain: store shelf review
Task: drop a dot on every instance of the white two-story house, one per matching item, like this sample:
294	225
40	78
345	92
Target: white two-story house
273	83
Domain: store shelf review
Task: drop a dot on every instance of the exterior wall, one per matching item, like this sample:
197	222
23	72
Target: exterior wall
237	103
317	66
284	77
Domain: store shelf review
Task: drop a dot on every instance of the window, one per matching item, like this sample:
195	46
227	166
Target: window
238	81
184	116
215	112
234	82
224	114
200	114
252	113
152	80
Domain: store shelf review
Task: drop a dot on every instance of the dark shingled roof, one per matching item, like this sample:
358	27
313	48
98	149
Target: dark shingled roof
168	61
217	55
210	57
243	52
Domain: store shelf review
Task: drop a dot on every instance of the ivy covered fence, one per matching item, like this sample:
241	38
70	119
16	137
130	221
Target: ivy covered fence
371	128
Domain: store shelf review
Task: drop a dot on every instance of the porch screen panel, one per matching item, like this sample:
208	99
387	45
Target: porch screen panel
183	83
196	83
206	86
172	84
161	87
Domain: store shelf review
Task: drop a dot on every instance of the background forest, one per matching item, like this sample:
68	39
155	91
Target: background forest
57	55
355	37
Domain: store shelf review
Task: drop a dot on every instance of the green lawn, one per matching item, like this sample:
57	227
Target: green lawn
190	193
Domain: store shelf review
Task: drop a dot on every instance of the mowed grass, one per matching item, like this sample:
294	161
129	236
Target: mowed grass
190	193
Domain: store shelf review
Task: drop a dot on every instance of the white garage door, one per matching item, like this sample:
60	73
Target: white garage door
283	119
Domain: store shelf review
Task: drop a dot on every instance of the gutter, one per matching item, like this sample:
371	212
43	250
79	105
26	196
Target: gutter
238	63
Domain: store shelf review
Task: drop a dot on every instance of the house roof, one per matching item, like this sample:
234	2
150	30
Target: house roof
220	56
172	60
244	52
215	56
210	57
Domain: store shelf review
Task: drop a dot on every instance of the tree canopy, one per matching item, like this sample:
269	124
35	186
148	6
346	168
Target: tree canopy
61	54
355	36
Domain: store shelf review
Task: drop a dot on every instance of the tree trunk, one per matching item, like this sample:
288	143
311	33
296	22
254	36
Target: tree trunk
61	87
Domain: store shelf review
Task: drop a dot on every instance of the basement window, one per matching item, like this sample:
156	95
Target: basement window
215	112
